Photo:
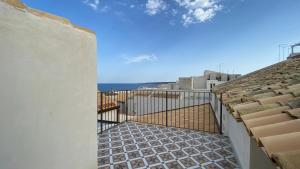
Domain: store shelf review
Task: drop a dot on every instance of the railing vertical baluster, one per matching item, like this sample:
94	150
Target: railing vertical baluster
198	106
166	108
221	113
126	105
194	110
184	109
209	111
204	111
179	108
111	104
147	107
171	108
105	104
140	105
188	109
101	114
162	107
176	106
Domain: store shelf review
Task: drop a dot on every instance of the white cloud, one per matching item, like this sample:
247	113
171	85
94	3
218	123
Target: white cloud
105	9
92	3
199	11
174	12
140	58
132	6
155	6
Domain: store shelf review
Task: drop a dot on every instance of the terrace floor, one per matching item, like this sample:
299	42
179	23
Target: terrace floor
139	145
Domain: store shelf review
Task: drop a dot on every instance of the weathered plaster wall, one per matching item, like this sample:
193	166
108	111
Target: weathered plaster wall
47	93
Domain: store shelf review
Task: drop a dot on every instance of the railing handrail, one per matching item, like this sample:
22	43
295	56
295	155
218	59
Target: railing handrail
169	90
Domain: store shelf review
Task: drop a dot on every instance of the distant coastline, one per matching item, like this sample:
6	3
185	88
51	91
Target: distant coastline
128	86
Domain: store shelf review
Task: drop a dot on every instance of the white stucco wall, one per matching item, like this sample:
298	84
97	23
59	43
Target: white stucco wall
140	105
47	93
185	83
199	82
236	131
240	140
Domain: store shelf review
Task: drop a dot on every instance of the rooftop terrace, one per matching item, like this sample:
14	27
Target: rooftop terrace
140	145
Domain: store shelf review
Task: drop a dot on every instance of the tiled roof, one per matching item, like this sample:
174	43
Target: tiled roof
267	101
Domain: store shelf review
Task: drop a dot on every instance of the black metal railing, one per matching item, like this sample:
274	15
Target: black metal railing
172	108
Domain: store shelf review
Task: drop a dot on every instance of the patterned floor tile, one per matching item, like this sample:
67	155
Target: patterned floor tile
138	163
155	143
118	158
103	161
233	160
211	166
174	165
104	152
152	160
160	149
116	143
200	159
147	152
130	147
157	167
188	162
223	152
117	150
123	165
133	155
166	157
171	147
137	145
179	154
226	164
190	151
212	155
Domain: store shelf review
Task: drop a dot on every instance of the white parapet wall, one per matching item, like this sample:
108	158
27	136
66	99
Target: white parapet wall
236	131
47	92
249	154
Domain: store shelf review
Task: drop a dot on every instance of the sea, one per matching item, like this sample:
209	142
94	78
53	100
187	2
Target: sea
127	86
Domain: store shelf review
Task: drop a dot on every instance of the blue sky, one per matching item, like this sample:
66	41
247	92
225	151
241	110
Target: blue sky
160	40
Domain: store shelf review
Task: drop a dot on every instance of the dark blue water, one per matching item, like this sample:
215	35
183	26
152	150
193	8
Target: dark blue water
126	86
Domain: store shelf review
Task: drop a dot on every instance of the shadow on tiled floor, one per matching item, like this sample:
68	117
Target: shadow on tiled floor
137	145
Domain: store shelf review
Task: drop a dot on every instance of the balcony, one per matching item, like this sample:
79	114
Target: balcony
160	129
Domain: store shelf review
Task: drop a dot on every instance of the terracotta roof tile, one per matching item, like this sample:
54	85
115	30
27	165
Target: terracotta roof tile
264	113
275	99
258	108
295	86
276	129
244	106
281	143
288	160
268	102
294	112
261	121
294	103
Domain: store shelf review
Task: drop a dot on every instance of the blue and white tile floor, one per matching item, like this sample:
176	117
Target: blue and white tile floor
137	145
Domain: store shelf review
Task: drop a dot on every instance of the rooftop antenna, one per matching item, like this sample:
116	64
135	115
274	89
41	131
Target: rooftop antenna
278	53
281	51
